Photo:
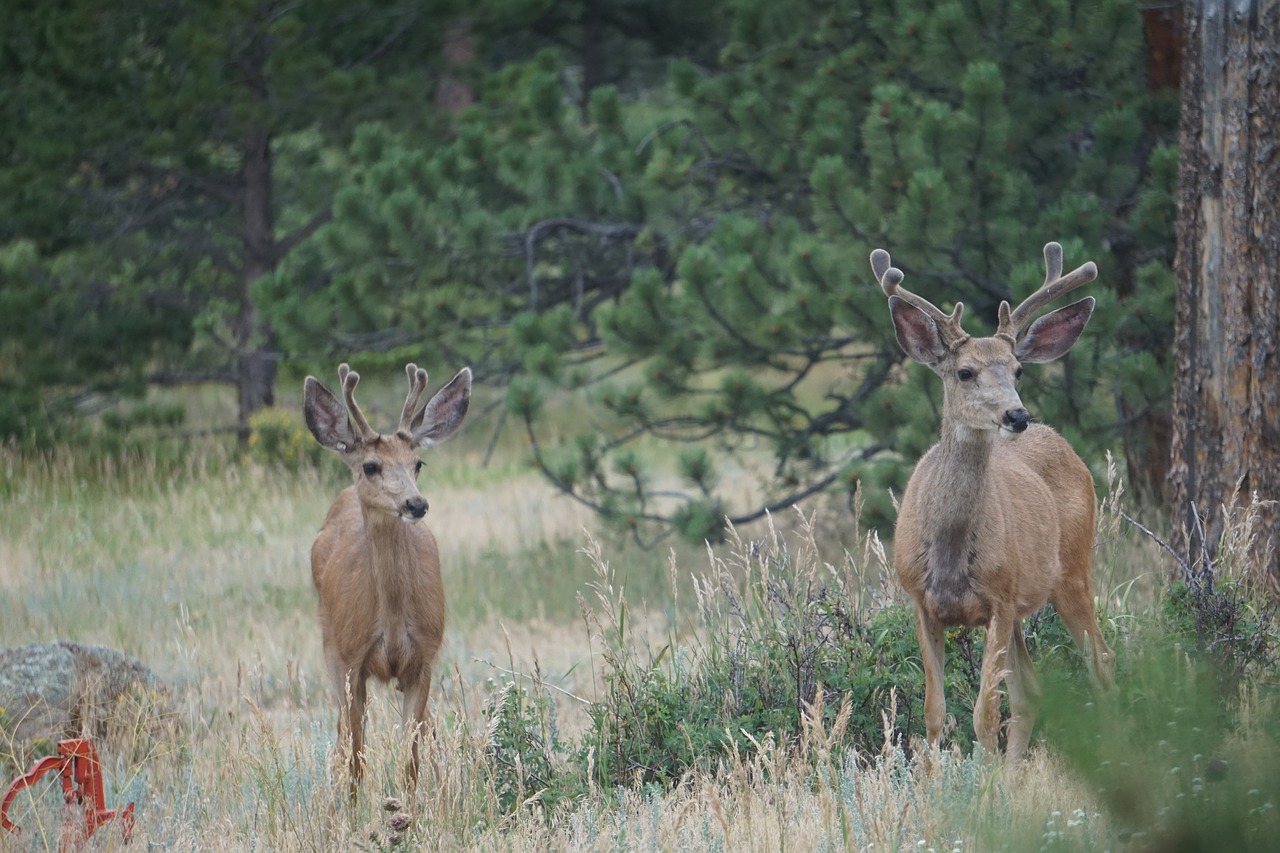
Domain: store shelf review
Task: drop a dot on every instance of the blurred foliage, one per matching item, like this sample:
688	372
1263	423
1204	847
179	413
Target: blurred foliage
1185	753
70	345
278	437
685	253
154	158
692	260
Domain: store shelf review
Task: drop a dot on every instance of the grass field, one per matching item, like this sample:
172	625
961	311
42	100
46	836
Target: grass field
201	572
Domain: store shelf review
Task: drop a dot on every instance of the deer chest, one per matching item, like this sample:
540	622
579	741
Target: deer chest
946	581
395	653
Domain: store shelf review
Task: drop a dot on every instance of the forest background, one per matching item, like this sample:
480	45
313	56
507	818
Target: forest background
645	226
663	212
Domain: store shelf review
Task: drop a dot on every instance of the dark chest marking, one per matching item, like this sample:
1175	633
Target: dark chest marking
949	590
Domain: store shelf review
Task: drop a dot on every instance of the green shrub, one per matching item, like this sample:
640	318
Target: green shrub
1224	622
1185	752
1181	754
277	438
785	645
784	642
528	761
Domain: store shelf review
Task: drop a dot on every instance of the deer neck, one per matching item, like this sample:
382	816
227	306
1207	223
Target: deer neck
958	487
954	492
391	558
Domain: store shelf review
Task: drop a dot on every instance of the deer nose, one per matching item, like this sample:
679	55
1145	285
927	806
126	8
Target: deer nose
417	507
1017	419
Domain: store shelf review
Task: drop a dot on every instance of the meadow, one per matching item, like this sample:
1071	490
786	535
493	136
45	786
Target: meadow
199	569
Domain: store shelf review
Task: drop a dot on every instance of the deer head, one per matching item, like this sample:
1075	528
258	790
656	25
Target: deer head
979	374
385	467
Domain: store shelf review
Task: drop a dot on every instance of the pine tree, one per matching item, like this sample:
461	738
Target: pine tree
693	265
143	147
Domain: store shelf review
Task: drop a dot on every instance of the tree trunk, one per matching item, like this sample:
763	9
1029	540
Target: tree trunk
255	342
452	93
593	27
1226	390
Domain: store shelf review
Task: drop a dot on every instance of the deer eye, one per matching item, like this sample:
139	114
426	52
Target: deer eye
417	468
371	468
1017	374
964	374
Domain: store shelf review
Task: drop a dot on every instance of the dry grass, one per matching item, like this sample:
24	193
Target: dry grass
203	576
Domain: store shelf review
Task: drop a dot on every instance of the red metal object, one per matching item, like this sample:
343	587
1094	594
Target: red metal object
80	772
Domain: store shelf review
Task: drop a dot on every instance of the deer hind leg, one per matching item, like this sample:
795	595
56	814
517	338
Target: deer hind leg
930	635
1024	694
1074	602
995	663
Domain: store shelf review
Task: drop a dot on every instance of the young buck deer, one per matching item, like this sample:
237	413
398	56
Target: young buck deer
998	515
375	563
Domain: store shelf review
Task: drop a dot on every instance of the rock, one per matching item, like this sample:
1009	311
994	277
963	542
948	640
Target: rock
51	691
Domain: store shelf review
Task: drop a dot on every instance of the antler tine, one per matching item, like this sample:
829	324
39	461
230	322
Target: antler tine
417	385
1055	284
349	378
890	279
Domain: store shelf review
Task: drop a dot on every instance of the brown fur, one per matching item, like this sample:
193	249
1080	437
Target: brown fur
993	522
375	563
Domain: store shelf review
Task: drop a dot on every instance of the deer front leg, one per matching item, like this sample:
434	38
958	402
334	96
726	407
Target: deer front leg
1024	694
355	716
414	720
930	634
350	688
986	710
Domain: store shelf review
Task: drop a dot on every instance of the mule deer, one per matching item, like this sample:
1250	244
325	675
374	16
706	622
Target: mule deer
375	564
998	516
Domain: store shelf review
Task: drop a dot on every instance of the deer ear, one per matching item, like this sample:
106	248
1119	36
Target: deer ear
917	332
1053	334
326	417
444	412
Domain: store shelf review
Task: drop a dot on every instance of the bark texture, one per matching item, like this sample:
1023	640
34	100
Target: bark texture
1226	390
256	366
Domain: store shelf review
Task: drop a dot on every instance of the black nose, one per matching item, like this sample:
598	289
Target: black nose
416	506
1017	419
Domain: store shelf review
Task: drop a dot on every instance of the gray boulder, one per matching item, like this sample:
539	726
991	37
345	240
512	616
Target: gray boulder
51	691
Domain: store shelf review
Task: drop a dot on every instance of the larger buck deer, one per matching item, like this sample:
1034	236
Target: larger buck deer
998	516
375	564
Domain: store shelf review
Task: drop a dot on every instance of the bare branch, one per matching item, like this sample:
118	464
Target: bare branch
384	46
223	187
286	245
530	238
1163	544
795	497
687	125
538	680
